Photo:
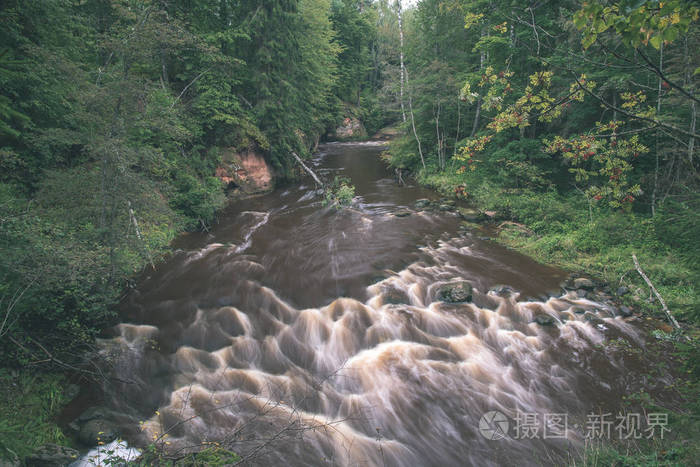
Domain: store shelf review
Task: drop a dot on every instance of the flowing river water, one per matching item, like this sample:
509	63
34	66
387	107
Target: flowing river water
297	334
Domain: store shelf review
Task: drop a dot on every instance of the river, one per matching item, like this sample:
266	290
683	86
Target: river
297	334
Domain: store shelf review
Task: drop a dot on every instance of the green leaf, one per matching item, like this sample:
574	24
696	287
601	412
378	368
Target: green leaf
655	41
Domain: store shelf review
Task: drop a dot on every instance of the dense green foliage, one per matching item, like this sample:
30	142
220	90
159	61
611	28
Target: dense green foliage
575	122
587	134
577	119
111	116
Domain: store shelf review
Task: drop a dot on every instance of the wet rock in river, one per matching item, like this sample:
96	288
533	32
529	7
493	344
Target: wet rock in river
501	290
394	296
456	293
581	293
625	311
97	430
583	283
446	207
92	413
544	320
422	203
402	213
50	455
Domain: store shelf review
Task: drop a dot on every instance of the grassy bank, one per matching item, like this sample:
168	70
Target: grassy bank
29	403
562	230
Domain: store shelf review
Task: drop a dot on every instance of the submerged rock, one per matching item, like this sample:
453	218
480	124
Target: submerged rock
501	290
402	213
50	455
456	293
544	320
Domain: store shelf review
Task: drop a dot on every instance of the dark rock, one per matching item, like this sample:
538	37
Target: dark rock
469	214
71	391
581	293
50	455
446	207
96	430
501	290
92	413
422	203
622	291
403	213
578	310
456	293
591	317
450	202
583	283
544	320
394	296
625	311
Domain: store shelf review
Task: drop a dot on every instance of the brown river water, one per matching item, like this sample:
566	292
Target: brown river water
296	334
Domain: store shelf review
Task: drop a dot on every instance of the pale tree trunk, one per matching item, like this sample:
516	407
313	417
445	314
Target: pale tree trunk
482	62
459	118
413	122
658	112
398	11
693	108
440	148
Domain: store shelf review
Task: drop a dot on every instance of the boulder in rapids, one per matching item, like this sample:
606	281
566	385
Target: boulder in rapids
544	320
402	213
394	296
456	293
50	455
501	290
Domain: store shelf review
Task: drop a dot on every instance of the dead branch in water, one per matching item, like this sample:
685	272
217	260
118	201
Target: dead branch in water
653	289
311	172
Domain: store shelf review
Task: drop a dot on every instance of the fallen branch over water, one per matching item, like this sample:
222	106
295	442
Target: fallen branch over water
653	289
311	172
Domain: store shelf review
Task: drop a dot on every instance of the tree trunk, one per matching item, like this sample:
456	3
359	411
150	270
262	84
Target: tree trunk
658	112
403	79
482	62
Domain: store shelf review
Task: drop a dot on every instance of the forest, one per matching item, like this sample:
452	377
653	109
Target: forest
569	124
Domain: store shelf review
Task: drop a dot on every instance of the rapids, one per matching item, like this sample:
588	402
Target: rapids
295	334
